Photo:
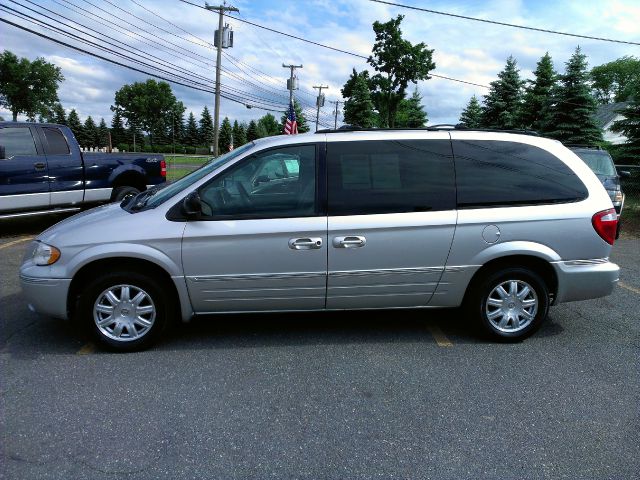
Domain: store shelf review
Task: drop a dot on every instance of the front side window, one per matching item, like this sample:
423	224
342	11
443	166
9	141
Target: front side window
17	141
275	183
492	172
370	177
57	145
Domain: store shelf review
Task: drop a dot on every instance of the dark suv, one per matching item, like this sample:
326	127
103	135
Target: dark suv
602	165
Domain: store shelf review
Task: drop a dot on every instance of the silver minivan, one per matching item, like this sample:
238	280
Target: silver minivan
503	224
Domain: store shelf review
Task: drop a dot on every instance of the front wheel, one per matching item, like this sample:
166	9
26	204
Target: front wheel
511	304
124	311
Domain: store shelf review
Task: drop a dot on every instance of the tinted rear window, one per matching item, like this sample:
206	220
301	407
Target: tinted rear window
599	161
57	143
17	141
510	173
369	177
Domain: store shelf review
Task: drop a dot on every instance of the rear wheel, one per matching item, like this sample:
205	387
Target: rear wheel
510	304
124	311
120	193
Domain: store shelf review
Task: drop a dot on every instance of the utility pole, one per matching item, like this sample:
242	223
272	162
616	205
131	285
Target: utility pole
335	122
319	102
219	40
292	81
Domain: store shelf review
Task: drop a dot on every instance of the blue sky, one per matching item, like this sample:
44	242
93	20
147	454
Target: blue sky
464	49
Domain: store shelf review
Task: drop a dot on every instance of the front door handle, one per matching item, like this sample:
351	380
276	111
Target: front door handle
305	243
40	165
352	241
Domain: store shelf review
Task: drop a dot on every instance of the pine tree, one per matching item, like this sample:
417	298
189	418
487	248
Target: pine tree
502	103
358	108
191	135
572	116
303	125
410	112
239	134
89	136
73	122
178	133
472	115
226	136
268	126
103	134
205	131
252	131
59	114
538	98
630	128
118	133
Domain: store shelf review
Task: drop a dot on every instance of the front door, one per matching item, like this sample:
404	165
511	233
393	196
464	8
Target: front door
261	241
391	221
24	178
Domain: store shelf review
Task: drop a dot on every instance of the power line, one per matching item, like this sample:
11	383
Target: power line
494	22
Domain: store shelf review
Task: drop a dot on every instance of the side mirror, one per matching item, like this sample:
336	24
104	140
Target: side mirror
191	205
3	152
624	174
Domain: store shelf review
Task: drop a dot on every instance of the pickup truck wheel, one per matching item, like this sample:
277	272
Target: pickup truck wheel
124	311
511	304
120	193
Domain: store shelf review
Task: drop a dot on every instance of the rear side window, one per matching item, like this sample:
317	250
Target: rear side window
510	173
17	141
57	143
369	177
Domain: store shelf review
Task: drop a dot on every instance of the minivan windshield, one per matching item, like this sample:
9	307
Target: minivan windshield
160	196
599	161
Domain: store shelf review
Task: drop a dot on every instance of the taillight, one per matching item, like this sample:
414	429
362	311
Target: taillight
605	224
163	168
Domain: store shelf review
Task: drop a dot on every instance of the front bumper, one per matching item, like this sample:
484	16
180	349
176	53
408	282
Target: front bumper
585	279
47	296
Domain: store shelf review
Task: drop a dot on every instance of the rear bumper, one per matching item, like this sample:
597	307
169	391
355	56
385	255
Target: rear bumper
47	296
585	279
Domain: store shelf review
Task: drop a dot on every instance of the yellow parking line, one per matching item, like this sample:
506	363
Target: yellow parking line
86	349
15	242
629	287
439	336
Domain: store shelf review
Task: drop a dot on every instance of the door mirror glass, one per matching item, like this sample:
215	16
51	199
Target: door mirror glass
192	205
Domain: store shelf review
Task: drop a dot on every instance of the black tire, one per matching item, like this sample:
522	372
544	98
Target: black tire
120	193
522	320
133	333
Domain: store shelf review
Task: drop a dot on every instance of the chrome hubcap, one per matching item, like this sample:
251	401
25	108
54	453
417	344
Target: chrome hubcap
124	313
511	306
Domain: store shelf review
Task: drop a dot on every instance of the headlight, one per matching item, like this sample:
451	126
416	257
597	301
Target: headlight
45	254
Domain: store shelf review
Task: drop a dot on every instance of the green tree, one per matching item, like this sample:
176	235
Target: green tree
89	136
572	118
118	133
225	141
472	115
502	104
252	131
358	106
398	63
268	126
177	134
149	105
191	135
73	122
239	134
301	119
28	87
630	128
59	114
102	137
615	81
206	134
538	98
411	112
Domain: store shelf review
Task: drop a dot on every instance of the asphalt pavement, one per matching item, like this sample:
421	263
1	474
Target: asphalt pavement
389	395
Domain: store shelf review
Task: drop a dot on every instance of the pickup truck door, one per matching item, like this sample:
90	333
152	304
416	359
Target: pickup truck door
66	172
24	176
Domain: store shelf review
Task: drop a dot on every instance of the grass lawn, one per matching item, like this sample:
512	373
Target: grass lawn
176	173
186	160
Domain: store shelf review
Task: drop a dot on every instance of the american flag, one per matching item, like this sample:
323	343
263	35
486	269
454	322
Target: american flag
291	126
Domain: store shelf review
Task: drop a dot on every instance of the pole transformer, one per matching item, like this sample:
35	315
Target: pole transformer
292	81
219	41
319	102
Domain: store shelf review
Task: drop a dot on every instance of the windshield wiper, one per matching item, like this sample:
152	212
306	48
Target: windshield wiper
140	200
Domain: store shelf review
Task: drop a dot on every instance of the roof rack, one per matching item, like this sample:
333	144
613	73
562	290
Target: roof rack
430	128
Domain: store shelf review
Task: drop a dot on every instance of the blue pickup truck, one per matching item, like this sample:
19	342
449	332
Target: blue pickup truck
42	170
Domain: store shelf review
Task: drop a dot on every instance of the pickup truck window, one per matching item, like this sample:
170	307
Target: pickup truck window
17	141
57	145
